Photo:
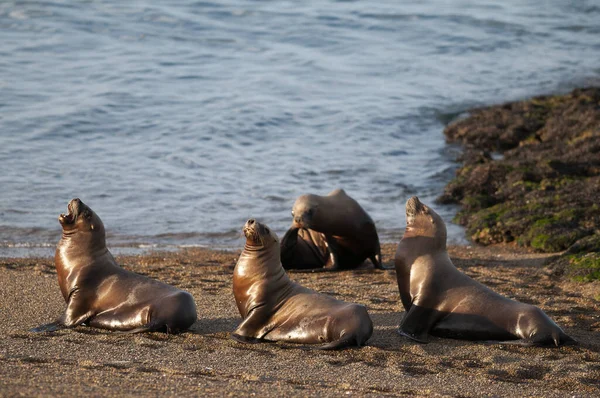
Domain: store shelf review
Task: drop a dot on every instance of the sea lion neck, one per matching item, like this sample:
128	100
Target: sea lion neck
425	237
83	241
261	252
253	247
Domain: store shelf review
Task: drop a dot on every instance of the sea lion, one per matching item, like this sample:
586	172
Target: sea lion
274	308
100	293
349	231
303	248
440	300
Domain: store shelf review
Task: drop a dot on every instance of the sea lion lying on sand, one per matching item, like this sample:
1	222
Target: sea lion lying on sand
441	300
274	308
303	248
349	231
100	293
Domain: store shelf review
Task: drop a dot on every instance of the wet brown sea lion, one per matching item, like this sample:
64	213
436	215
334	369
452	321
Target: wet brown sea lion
350	232
303	248
274	308
442	301
100	293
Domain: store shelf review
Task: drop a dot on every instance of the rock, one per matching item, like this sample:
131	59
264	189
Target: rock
544	190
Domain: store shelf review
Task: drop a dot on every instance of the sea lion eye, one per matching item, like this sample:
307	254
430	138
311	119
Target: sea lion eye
87	214
292	213
267	230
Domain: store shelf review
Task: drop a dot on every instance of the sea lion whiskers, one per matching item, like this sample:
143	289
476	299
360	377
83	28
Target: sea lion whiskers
253	233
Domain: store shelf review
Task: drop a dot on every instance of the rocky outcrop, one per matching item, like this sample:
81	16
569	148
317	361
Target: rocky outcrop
531	174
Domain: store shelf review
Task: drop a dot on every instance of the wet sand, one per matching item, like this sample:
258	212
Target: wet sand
205	361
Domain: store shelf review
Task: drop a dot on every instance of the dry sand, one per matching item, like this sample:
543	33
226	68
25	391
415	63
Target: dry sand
206	362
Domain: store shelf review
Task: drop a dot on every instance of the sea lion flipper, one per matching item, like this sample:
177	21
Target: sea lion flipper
376	260
301	250
343	342
73	315
252	324
520	342
245	339
48	327
77	311
543	340
416	324
422	339
333	252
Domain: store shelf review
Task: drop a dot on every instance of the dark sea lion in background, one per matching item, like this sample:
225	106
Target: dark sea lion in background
274	308
303	248
350	232
442	301
100	293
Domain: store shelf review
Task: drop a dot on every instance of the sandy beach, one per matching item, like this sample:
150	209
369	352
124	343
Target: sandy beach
206	361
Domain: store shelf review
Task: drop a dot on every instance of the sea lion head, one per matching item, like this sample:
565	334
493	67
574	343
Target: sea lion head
80	218
422	221
305	211
258	235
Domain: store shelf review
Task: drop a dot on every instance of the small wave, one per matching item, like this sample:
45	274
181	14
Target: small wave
25	244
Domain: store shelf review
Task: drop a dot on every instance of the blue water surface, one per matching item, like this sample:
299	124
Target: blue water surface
176	121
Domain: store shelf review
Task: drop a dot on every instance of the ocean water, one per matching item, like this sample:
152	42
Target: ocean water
176	121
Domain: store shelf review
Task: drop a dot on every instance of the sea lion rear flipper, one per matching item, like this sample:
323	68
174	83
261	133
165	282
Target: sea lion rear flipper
520	342
416	324
344	341
567	340
548	340
376	260
49	327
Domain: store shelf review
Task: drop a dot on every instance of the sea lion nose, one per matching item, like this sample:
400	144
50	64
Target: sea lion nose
77	200
250	221
298	220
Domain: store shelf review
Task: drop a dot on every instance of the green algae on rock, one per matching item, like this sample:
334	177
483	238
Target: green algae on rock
543	189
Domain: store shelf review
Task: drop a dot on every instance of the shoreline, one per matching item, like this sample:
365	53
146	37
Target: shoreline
207	361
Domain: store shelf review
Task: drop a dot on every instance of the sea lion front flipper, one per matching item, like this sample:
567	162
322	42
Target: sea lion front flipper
245	339
49	327
74	315
333	252
77	311
248	331
416	324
